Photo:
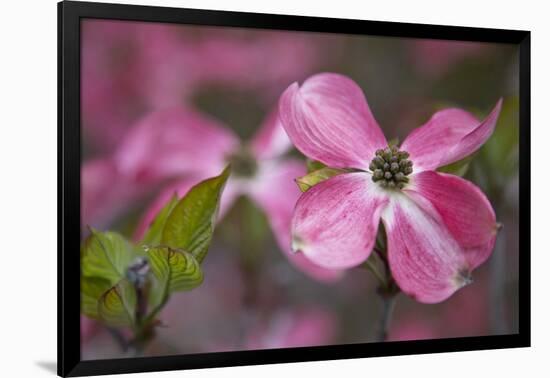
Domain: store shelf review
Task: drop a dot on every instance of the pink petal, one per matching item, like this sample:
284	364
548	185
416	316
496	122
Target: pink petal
450	135
328	119
173	142
271	140
276	193
426	261
462	207
336	221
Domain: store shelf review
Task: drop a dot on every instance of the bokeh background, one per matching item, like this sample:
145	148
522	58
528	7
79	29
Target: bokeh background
252	297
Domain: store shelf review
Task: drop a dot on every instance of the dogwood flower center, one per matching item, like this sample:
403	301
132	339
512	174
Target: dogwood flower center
243	163
390	168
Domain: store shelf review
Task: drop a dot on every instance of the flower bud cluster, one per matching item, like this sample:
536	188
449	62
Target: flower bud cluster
390	168
137	272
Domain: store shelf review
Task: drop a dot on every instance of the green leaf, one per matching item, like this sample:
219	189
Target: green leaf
154	233
190	225
308	181
173	270
91	289
177	269
314	165
117	306
458	168
106	255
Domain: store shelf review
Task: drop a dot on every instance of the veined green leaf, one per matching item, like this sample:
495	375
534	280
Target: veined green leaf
458	168
173	270
91	289
311	179
154	233
117	306
106	255
190	225
176	269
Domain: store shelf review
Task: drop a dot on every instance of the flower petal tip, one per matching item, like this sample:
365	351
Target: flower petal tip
463	278
496	110
297	244
292	88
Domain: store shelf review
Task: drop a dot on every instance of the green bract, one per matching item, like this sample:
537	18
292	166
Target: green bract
314	165
313	178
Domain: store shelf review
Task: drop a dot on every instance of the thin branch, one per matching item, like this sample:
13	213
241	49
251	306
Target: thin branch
372	268
119	338
388	304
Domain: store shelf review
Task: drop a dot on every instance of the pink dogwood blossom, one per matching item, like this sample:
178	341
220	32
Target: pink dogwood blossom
186	144
439	227
130	68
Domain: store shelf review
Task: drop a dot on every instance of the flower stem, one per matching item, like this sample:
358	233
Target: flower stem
497	274
387	291
388	304
119	338
372	268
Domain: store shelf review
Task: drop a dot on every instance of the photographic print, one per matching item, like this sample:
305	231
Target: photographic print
251	189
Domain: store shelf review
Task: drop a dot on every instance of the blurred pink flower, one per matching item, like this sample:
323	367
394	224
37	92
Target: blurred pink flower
435	57
191	143
110	101
130	68
254	63
439	226
88	328
294	328
105	192
174	142
175	62
182	143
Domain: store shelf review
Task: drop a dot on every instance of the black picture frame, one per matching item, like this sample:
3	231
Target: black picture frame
69	16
